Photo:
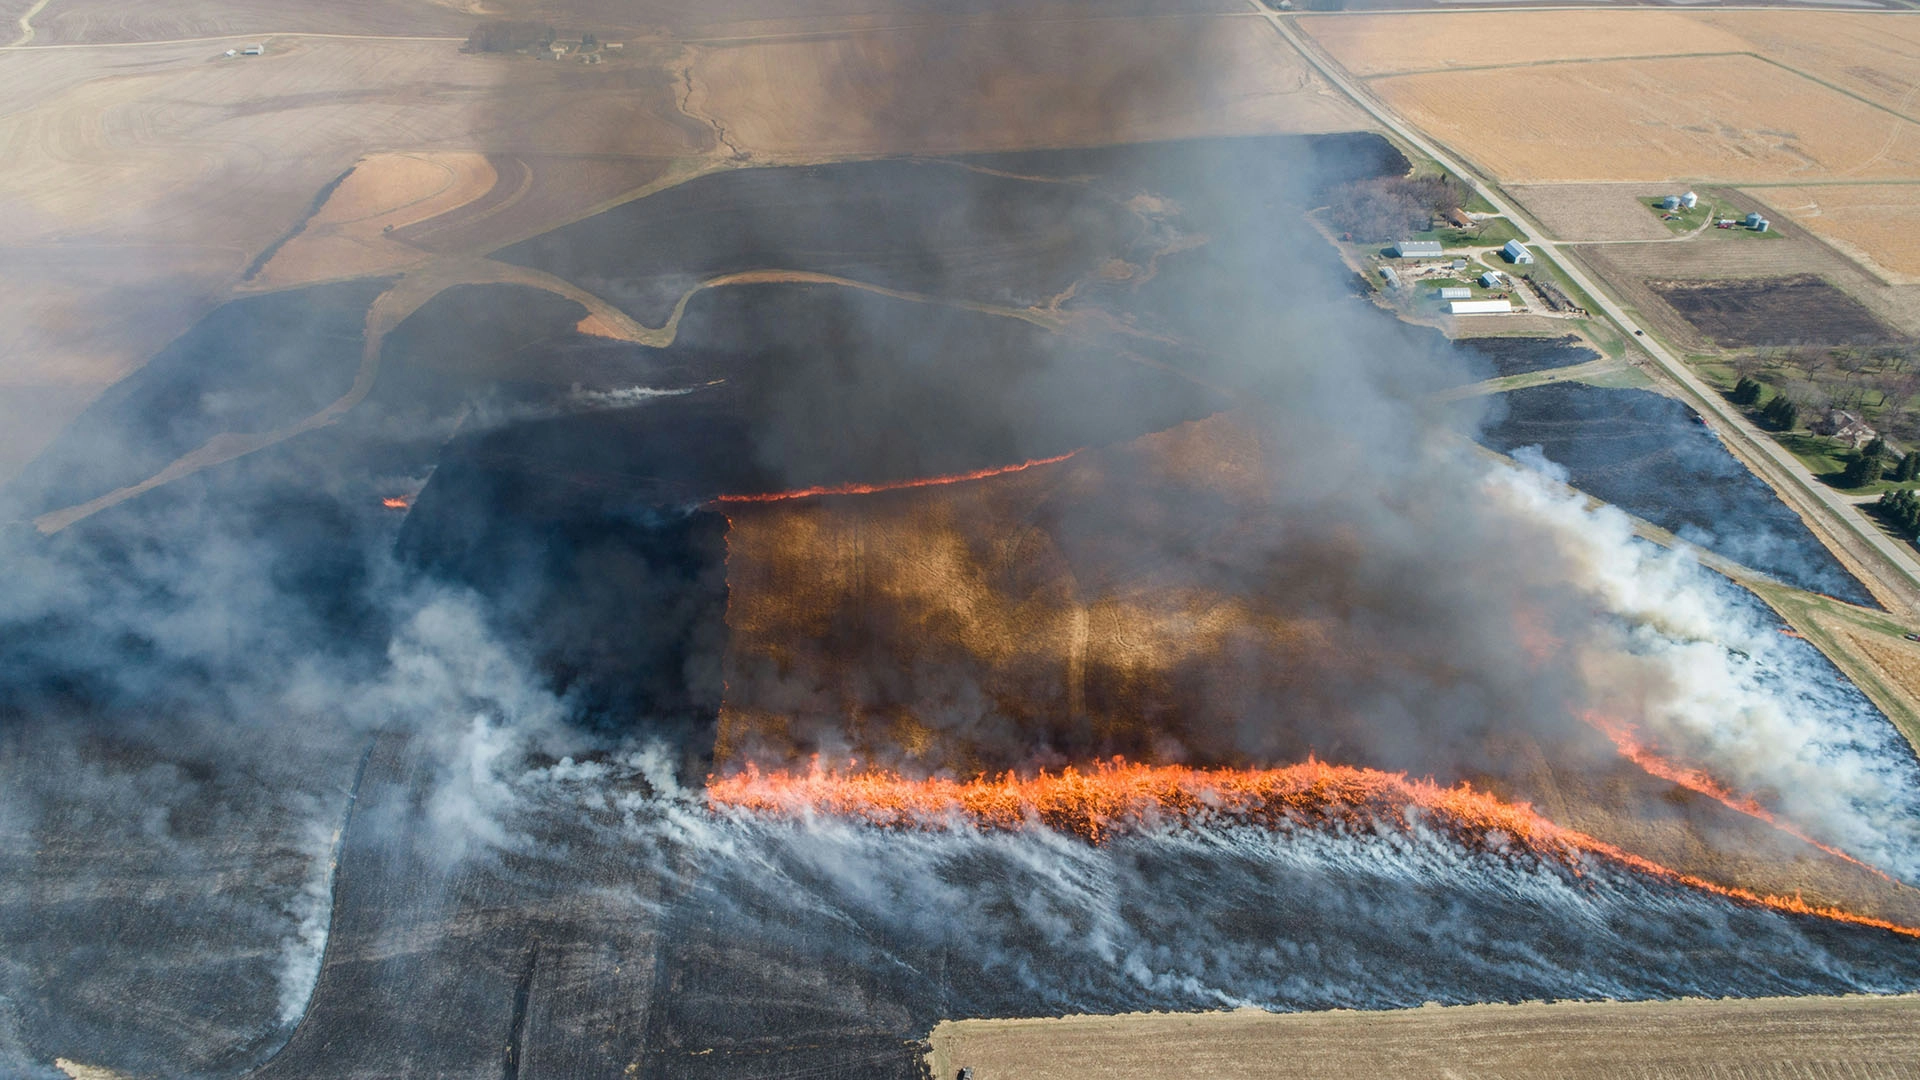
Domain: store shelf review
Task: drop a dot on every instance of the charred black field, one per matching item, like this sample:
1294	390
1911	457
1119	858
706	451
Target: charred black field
1800	310
377	751
1653	456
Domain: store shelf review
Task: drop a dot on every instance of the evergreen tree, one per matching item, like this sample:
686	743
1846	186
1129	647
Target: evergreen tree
1909	467
1746	391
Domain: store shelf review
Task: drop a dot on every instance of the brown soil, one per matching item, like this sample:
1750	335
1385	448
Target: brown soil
1763	1039
1575	212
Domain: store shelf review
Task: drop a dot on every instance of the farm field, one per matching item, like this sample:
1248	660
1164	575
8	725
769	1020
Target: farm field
1802	309
1711	118
1732	1039
1649	95
168	175
138	193
1397	43
1877	225
1074	83
66	22
1719	257
1576	212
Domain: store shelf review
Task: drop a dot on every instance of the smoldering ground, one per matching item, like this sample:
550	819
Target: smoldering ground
202	686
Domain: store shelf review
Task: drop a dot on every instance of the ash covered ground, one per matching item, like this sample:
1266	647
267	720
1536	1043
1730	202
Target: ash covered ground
304	784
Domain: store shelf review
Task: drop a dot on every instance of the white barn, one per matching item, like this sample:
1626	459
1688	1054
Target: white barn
1480	307
1517	253
1416	249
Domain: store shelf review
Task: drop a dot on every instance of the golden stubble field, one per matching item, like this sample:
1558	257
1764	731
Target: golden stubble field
1758	1039
1878	225
1823	101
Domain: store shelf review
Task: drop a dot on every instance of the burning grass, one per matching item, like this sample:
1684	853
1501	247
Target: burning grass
1115	798
897	485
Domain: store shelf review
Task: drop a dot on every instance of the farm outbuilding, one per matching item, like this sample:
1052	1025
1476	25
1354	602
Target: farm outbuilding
1393	279
1689	200
1416	249
1517	253
1490	280
1671	202
1456	292
1480	307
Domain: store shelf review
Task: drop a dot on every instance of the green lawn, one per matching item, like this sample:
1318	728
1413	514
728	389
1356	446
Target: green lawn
1624	378
1687	221
1491	232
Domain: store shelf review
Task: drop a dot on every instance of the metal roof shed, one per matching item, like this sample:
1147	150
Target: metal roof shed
1516	252
1408	249
1480	307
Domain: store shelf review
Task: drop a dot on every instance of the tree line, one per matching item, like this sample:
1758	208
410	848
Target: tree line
1390	207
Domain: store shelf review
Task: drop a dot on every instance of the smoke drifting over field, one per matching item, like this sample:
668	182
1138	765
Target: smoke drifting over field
543	629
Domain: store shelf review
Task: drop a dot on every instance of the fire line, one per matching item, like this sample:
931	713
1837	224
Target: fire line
1627	740
895	485
1117	797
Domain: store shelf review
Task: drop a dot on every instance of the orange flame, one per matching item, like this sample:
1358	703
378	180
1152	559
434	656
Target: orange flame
897	485
1627	740
396	502
1117	797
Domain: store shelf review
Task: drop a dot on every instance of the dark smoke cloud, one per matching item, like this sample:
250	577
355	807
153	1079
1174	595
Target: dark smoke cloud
191	681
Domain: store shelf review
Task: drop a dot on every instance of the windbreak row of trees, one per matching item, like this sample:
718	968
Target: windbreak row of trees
1391	207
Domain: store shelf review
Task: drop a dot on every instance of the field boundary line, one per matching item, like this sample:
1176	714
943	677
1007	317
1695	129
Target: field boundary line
1561	62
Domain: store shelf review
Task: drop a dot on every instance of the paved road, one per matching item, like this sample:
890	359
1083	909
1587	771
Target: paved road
1787	473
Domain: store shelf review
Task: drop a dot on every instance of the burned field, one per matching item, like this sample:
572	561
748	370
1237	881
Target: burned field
1651	456
499	620
1520	356
1799	310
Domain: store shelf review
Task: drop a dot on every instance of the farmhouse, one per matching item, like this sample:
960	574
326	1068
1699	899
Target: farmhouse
1517	253
1414	249
1844	426
1480	307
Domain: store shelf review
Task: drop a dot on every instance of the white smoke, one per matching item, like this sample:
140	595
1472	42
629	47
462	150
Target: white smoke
311	909
1700	666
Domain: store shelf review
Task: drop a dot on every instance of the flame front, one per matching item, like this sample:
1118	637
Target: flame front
1626	738
1118	797
396	502
897	485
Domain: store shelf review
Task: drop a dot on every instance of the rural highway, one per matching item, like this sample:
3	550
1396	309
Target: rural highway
1841	514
